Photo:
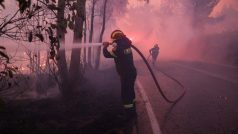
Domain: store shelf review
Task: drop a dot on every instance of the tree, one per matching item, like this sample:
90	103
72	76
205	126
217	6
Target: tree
35	22
91	33
105	9
201	11
97	62
6	71
62	64
18	26
76	68
75	10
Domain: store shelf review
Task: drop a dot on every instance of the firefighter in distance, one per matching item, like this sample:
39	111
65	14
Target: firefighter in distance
154	52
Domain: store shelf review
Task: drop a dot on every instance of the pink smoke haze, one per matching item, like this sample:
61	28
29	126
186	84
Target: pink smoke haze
179	31
184	29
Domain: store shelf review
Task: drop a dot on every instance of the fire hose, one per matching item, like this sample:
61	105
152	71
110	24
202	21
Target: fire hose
149	68
156	81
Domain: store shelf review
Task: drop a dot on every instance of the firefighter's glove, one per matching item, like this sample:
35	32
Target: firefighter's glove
105	44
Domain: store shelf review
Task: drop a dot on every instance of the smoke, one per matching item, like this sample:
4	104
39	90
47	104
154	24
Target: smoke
187	29
220	35
224	4
157	22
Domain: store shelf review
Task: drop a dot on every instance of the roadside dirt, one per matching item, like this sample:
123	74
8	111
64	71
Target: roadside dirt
92	109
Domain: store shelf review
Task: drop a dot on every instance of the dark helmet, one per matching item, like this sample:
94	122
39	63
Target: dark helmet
116	34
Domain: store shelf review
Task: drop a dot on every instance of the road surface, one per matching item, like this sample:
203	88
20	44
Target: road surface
210	105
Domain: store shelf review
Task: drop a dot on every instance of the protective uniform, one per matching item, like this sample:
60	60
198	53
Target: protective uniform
123	58
154	52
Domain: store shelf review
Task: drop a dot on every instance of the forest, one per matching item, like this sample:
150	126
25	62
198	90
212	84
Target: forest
53	66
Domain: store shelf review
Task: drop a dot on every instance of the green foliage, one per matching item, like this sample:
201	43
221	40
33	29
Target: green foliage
1	4
71	25
54	26
53	7
40	29
2	47
30	37
24	4
6	72
3	55
40	36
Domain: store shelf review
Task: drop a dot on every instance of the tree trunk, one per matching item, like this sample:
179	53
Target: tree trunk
76	70
91	34
62	64
85	40
98	54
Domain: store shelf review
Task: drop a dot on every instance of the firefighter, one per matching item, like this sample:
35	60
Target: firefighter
122	54
154	53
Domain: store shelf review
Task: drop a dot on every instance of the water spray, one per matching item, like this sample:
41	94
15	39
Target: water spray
83	45
149	68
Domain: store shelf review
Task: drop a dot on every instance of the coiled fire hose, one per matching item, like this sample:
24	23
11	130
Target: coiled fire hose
156	81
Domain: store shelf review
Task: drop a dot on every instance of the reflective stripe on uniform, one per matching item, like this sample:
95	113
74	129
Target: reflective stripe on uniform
127	51
114	44
129	106
114	55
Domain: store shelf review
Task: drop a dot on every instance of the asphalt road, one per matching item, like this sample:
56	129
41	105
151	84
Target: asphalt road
210	105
